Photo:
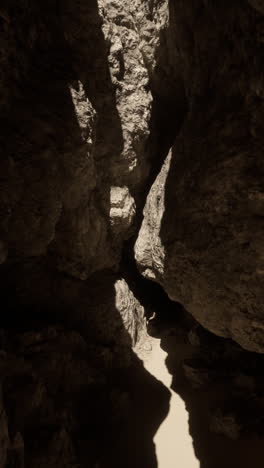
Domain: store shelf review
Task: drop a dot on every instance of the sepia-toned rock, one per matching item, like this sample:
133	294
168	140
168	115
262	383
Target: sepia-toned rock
131	204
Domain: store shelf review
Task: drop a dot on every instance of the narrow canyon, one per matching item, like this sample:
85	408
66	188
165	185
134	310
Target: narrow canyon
131	234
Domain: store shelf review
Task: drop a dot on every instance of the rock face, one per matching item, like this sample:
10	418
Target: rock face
76	108
78	133
149	250
130	310
207	250
106	105
72	386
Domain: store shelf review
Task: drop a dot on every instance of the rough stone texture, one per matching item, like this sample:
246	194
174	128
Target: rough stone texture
222	387
93	96
75	124
258	4
122	209
70	376
79	130
149	251
212	226
130	310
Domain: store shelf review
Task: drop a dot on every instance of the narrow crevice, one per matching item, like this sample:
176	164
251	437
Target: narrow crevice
149	293
167	118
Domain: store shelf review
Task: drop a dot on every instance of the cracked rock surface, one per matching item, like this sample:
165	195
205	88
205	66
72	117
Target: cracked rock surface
207	249
130	132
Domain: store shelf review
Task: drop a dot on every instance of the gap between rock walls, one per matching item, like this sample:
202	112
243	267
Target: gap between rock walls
94	97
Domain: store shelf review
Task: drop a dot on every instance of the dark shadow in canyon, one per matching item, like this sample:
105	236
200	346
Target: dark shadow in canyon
230	381
207	391
169	109
72	386
70	373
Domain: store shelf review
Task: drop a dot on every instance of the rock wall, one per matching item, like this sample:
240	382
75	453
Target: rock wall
202	230
107	106
77	129
76	108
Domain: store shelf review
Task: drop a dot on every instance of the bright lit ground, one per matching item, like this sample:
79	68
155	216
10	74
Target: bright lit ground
173	442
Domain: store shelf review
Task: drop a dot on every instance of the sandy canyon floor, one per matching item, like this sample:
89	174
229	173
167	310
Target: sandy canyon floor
174	445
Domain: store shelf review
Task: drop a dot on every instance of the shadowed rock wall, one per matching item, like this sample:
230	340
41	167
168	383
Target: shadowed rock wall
201	235
75	115
107	107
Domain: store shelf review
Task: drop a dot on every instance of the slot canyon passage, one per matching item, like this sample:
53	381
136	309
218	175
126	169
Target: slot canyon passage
131	234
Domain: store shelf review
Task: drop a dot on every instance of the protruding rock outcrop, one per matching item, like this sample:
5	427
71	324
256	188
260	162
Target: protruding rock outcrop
211	258
76	107
107	106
